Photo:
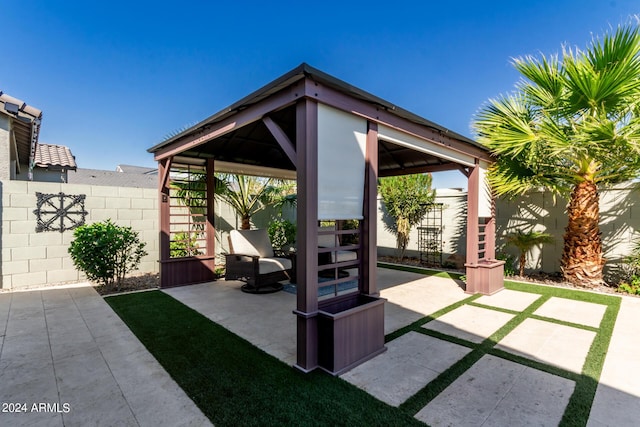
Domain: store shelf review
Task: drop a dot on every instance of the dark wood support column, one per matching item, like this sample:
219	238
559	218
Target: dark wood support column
486	275
307	234
473	199
210	231
369	252
164	167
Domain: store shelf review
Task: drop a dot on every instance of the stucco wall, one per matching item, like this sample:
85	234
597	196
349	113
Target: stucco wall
33	259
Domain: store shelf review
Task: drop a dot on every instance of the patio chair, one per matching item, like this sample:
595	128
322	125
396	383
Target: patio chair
253	260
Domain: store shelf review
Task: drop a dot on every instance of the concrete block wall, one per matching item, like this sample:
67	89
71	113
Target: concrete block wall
31	259
539	211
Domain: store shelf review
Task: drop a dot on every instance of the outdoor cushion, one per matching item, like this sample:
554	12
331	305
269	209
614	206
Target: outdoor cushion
271	265
251	242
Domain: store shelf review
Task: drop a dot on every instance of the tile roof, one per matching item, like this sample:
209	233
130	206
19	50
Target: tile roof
26	123
48	155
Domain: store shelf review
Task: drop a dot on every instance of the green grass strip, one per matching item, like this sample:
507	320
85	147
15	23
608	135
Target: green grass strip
419	400
586	383
579	407
417	325
235	383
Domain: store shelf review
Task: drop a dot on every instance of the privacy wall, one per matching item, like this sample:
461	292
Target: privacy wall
35	220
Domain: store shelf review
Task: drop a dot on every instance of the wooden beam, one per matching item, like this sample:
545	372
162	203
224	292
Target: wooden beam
420	169
281	137
235	121
378	114
210	232
307	235
473	197
369	248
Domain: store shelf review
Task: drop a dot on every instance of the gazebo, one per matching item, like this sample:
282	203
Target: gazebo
336	141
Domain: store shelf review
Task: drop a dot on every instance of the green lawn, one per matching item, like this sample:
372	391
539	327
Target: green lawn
235	383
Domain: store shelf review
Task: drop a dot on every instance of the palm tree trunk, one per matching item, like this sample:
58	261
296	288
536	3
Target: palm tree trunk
246	222
523	261
582	260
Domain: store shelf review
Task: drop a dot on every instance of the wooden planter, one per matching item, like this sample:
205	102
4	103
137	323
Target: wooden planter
486	277
350	331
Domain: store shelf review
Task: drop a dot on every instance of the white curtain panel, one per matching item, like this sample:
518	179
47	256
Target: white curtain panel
341	164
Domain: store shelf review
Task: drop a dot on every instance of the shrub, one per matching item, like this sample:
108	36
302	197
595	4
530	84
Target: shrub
282	232
509	263
106	252
407	199
184	244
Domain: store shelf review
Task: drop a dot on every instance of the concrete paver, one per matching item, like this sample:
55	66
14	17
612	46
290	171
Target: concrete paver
580	312
617	400
66	346
551	343
410	362
470	323
508	299
498	392
417	297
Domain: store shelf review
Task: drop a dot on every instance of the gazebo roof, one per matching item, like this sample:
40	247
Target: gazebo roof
252	143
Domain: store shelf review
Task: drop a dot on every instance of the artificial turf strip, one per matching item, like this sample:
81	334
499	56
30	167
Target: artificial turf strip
579	406
235	383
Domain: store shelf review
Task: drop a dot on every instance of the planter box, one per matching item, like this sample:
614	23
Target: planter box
350	331
485	277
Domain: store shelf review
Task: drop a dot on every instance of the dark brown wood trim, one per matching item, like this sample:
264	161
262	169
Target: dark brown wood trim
164	167
307	233
368	237
473	229
281	137
422	169
210	231
378	114
242	118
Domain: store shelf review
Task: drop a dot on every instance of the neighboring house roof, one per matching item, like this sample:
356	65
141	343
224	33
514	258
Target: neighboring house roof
26	124
137	169
54	157
112	178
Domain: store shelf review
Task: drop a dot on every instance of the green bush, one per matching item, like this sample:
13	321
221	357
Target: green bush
184	244
106	252
282	232
509	263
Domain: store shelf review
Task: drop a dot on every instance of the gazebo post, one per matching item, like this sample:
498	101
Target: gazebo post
164	167
485	274
307	234
369	255
210	231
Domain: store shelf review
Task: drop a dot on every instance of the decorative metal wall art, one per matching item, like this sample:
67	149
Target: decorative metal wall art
59	212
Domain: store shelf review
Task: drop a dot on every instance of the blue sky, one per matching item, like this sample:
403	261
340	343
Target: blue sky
114	78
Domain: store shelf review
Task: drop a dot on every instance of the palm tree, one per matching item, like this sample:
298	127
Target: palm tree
572	126
248	195
525	241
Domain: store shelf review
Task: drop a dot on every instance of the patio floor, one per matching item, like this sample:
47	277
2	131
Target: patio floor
67	346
